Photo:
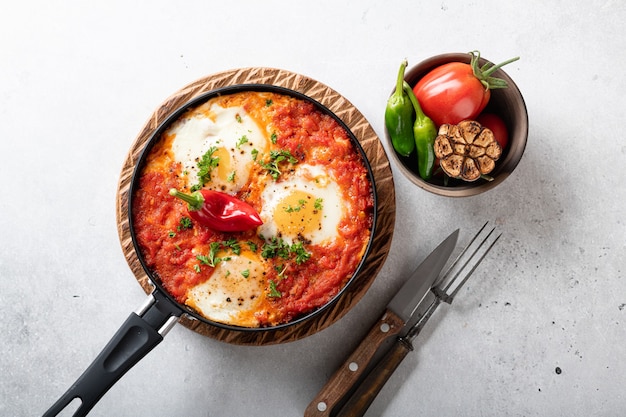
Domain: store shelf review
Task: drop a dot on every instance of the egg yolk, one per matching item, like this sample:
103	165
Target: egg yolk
224	166
298	214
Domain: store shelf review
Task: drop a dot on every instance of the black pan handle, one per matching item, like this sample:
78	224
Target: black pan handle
139	334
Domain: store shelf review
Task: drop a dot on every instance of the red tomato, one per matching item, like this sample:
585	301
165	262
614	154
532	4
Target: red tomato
451	93
497	126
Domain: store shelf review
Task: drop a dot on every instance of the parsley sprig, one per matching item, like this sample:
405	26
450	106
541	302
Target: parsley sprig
278	248
300	253
241	141
233	245
274	290
206	164
277	158
211	259
317	206
275	247
290	209
185	223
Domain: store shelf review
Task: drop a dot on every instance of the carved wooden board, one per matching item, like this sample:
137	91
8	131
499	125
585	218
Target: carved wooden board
373	149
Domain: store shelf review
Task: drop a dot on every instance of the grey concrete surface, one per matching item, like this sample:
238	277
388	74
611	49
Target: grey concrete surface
79	79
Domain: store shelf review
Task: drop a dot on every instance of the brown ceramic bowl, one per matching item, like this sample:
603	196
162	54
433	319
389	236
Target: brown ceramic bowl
507	103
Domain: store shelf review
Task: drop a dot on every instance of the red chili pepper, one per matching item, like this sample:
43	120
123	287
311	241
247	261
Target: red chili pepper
219	211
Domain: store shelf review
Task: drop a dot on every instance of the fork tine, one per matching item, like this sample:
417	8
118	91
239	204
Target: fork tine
451	281
445	279
471	271
444	276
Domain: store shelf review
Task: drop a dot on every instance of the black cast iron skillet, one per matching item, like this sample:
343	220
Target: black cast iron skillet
145	328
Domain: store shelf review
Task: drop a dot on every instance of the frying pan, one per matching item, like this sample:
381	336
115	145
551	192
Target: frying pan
146	327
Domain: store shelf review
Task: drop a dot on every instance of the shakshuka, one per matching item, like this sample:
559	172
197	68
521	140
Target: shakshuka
297	167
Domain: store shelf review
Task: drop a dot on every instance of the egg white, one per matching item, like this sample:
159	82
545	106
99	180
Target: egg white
234	292
305	206
233	134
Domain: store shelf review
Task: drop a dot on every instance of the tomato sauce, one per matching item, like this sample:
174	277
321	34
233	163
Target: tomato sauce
171	251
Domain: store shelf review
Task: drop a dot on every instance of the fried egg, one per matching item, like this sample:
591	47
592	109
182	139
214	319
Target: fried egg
306	206
228	136
234	292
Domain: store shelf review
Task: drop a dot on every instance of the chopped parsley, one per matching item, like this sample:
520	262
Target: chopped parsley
212	259
290	209
241	141
185	223
317	205
275	248
233	245
278	248
206	164
281	270
268	102
278	157
203	260
231	177
238	118
274	291
300	253
274	138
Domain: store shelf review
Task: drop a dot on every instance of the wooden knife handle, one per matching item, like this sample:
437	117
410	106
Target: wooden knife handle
369	388
344	379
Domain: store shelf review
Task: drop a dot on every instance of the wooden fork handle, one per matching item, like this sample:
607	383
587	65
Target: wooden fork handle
329	400
369	388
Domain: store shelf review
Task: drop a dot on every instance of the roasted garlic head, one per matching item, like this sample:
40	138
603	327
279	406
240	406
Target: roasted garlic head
466	151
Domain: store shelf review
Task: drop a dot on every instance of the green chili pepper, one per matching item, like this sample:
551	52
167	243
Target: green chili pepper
399	117
424	133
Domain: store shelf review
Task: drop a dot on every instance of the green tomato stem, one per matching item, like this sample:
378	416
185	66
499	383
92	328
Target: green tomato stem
484	73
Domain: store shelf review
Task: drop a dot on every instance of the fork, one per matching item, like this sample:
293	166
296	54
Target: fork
445	289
